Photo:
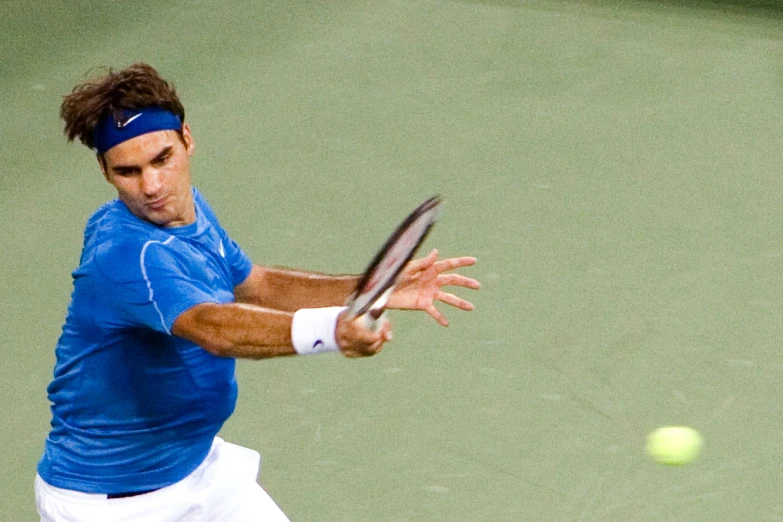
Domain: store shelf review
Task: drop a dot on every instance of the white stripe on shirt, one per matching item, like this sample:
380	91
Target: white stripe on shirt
149	283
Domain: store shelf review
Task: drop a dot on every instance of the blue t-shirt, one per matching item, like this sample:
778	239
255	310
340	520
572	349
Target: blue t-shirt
133	406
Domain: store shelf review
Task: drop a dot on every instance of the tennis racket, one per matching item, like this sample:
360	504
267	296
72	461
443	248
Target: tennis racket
378	282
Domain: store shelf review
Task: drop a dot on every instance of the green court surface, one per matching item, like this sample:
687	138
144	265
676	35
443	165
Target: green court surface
615	167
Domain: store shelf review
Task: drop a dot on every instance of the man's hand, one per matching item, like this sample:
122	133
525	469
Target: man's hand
356	340
419	285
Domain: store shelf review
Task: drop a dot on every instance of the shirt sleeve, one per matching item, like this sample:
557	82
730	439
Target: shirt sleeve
239	263
156	291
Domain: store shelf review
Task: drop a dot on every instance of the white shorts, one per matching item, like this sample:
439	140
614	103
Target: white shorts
222	488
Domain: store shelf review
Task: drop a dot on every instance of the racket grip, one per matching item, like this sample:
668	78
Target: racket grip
374	319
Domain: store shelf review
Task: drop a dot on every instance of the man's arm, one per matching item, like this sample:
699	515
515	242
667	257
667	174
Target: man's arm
419	286
259	324
289	290
252	332
237	330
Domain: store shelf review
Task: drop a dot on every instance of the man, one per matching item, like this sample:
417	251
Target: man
163	303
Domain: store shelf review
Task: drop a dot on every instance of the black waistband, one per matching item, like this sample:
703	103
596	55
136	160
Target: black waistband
130	494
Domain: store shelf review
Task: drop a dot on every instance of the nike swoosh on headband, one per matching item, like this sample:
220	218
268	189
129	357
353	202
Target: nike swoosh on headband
123	124
111	131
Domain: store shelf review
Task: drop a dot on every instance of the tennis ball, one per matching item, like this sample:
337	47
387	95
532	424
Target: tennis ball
674	445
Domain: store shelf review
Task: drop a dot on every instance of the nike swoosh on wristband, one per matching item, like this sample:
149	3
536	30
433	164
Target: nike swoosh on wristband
319	344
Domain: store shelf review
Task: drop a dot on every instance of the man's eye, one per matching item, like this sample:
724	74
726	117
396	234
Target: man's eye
162	160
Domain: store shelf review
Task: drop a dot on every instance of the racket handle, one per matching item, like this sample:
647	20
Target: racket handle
374	319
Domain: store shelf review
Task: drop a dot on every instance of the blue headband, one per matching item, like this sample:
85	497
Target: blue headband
110	132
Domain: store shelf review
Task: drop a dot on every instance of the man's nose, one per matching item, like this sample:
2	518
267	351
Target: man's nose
151	182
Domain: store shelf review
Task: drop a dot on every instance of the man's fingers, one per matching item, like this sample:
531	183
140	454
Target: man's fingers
384	336
386	331
368	351
455	301
435	313
458	280
368	337
422	263
454	262
377	346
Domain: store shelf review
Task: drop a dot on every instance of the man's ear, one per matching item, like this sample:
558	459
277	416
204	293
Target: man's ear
187	138
102	165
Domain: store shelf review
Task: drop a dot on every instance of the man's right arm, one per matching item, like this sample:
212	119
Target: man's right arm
252	332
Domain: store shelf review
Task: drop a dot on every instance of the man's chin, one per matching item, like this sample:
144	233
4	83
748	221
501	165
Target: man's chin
158	222
166	216
160	218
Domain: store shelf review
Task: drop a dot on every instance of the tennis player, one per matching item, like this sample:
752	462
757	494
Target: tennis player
163	303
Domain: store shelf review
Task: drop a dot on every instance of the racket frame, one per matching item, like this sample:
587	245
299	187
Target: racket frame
430	207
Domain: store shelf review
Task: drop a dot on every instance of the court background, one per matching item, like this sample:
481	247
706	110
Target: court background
615	167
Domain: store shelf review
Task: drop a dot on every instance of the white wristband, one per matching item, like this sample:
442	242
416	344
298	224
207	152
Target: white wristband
312	330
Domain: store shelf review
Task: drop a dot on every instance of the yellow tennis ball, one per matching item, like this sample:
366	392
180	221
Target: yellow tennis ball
674	445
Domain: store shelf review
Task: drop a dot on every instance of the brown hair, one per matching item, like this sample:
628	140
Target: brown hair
134	87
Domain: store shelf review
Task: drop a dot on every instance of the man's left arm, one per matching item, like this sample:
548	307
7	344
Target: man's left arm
419	287
290	290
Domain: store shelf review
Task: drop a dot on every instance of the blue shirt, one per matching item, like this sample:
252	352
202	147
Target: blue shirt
133	406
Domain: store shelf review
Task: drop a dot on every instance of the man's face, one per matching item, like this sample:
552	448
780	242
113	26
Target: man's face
151	173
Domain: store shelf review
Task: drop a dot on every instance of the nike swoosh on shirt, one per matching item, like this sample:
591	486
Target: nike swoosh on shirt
222	250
